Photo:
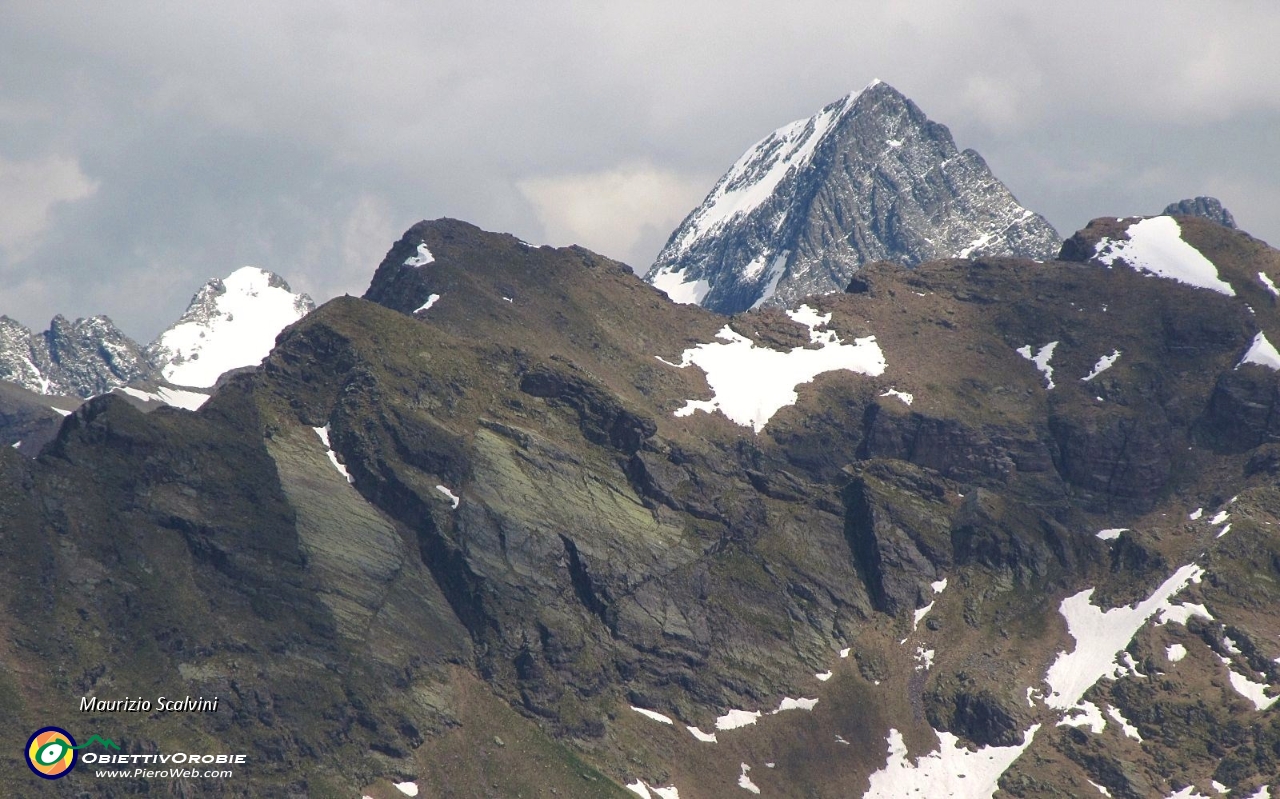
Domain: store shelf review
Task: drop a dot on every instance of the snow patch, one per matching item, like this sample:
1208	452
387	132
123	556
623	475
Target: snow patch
1220	517
939	586
1179	614
1155	246
902	395
737	718
952	771
1111	534
175	397
745	783
924	658
1085	714
919	615
452	496
1175	652
1100	634
651	714
707	738
407	788
648	791
1104	363
776	270
1255	692
423	257
1128	729
734	367
822	676
788	703
1041	360
1196	514
1261	352
1266	281
679	288
431	300
323	433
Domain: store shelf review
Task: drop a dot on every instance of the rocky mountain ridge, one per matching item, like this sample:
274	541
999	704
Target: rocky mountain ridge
868	178
92	356
74	359
499	528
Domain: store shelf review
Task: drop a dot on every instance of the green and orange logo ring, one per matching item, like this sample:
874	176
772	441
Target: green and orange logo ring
51	752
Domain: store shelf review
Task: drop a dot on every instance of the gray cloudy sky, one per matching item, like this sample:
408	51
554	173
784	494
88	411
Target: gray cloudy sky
148	146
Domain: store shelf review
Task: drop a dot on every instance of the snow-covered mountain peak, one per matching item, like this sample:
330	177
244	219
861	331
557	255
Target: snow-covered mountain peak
755	176
231	322
869	177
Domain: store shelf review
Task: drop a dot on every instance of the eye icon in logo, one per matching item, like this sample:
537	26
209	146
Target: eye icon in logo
51	753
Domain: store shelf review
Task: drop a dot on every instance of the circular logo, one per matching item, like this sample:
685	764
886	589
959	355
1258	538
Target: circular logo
50	754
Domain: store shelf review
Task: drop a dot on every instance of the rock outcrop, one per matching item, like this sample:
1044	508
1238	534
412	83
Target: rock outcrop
1207	207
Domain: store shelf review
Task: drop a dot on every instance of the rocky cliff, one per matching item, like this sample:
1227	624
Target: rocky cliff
516	524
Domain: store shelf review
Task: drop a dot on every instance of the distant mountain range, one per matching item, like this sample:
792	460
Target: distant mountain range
230	323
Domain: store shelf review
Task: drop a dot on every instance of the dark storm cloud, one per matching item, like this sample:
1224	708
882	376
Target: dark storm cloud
146	147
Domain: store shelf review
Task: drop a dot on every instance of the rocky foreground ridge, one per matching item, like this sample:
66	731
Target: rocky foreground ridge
478	532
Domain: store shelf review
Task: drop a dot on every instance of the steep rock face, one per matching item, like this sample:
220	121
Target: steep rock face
230	323
455	541
79	359
1208	207
868	178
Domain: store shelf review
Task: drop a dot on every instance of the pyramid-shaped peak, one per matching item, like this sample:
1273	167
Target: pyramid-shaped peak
867	178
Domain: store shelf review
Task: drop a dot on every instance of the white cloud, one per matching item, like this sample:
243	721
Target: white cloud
242	132
610	211
29	190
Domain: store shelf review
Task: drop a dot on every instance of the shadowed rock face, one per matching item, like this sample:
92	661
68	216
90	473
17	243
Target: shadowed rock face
868	178
532	541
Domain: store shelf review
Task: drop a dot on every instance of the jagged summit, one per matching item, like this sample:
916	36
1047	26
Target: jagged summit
79	359
867	178
1208	207
230	323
